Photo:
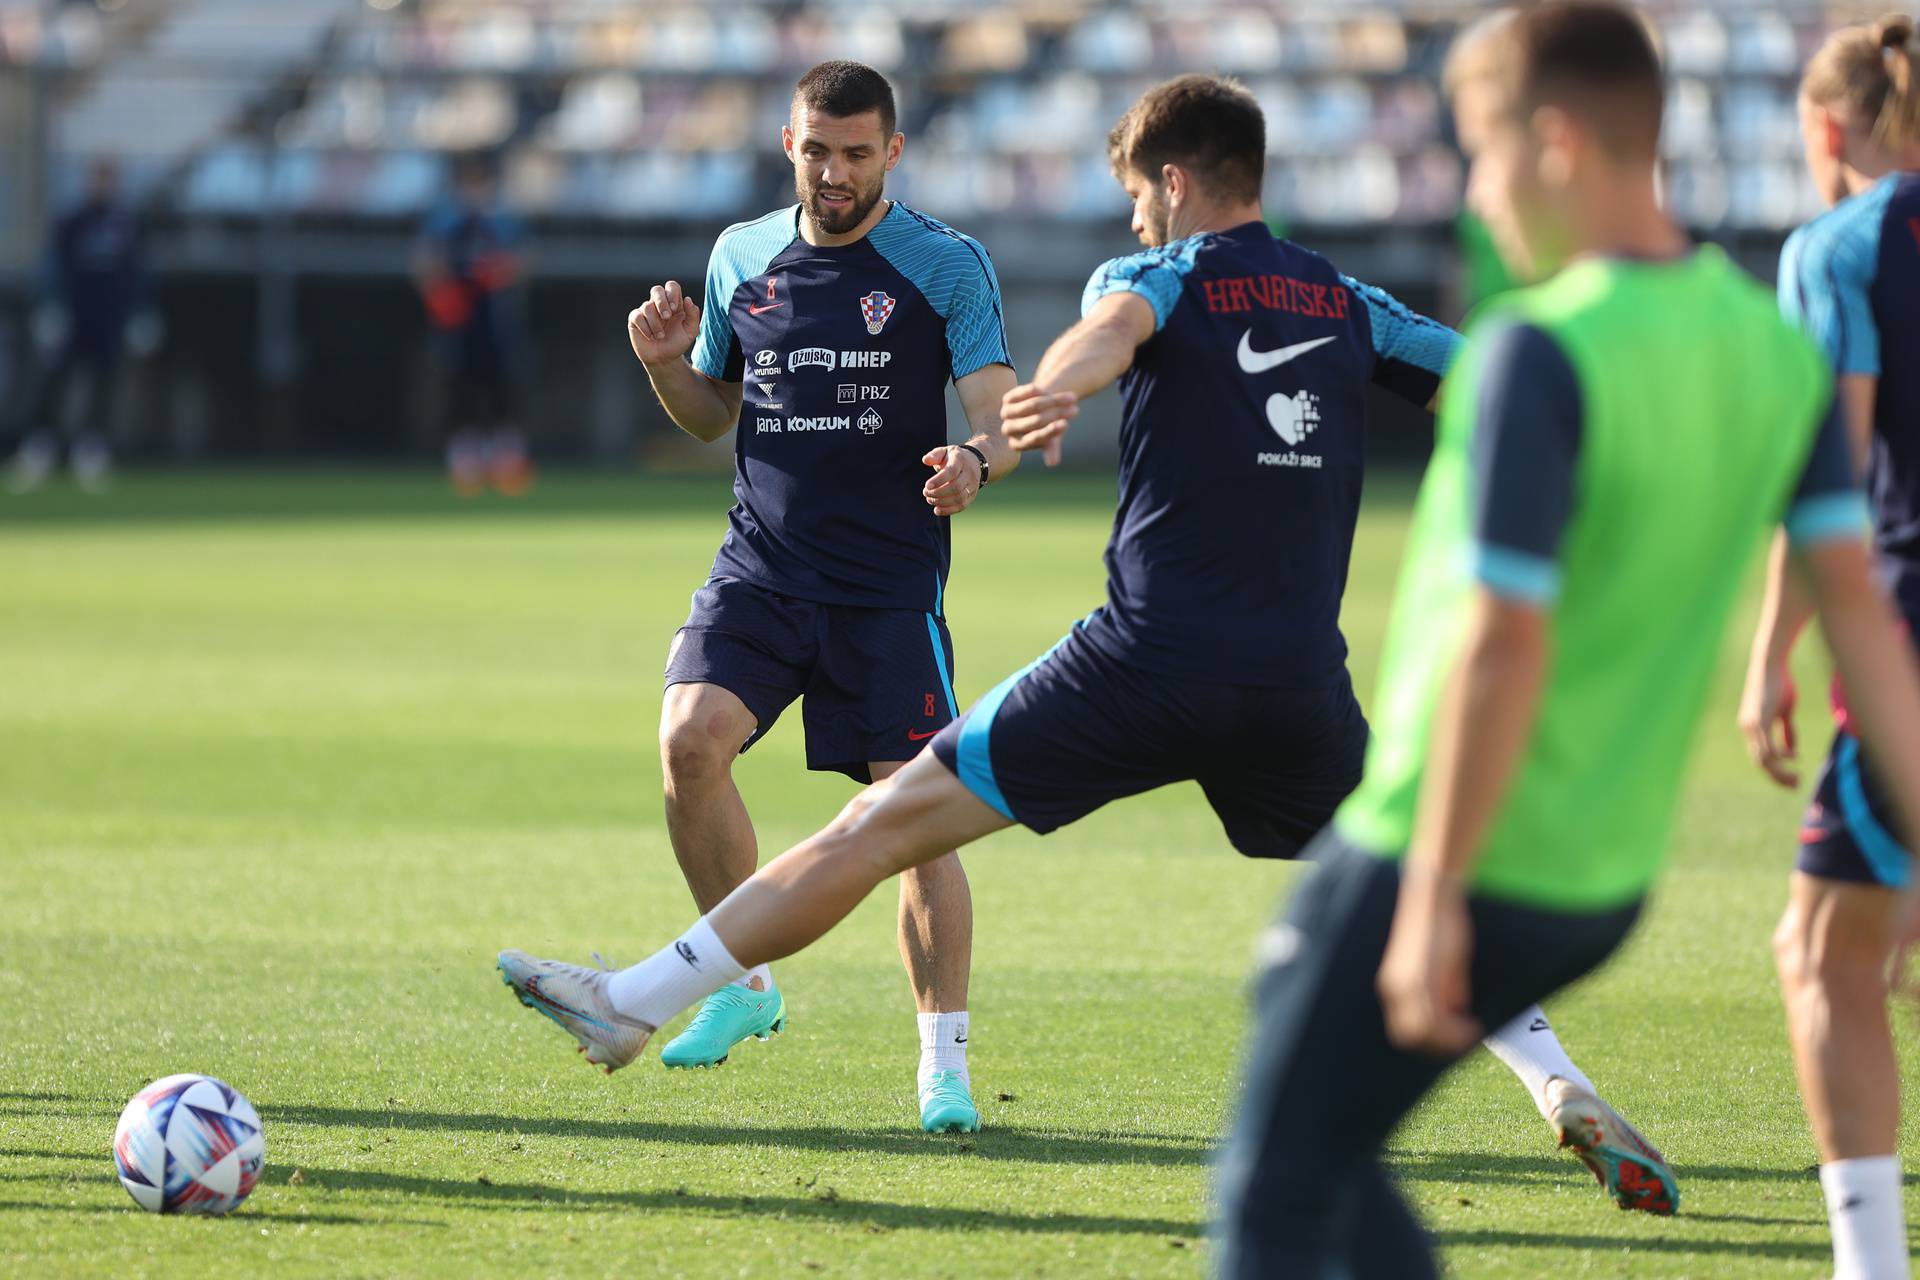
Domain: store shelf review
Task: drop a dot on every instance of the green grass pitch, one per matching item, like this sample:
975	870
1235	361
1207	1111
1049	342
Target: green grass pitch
284	760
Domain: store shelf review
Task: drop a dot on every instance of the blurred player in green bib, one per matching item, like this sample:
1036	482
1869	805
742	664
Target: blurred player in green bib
1612	446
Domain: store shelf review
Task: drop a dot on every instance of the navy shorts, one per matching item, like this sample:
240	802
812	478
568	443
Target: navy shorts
1848	831
1080	728
876	683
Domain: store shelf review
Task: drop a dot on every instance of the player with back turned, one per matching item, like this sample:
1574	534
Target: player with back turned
1242	362
1851	279
1614	443
829	333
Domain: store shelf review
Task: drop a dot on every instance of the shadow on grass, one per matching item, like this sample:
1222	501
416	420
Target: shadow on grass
992	1144
824	1206
1810	1250
251	1212
1428	1166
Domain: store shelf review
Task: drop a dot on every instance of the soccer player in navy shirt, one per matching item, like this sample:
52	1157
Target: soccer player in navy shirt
95	265
829	332
1851	279
1218	658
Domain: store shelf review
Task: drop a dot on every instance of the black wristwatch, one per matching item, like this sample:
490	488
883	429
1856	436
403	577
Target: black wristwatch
985	467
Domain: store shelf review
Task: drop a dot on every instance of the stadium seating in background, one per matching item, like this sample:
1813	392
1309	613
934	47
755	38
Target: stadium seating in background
623	109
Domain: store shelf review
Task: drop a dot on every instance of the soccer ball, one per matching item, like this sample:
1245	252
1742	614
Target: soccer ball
189	1144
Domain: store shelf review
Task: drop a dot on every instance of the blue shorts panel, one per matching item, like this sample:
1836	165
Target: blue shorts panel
874	684
1847	833
1079	728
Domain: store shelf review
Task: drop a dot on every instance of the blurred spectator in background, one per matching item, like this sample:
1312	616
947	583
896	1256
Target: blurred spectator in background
469	264
96	292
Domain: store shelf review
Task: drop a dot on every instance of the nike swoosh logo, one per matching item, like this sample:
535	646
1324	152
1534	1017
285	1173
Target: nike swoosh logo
959	1039
920	737
754	310
1252	361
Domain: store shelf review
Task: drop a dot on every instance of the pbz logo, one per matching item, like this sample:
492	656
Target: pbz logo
870	422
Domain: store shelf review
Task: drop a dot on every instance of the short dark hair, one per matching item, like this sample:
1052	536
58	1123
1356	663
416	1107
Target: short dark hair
842	88
1590	57
1209	124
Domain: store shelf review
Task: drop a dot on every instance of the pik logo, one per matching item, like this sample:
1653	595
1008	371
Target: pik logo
870	422
766	359
811	358
1295	417
876	309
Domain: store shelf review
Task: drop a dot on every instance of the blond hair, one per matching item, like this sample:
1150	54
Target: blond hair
1865	75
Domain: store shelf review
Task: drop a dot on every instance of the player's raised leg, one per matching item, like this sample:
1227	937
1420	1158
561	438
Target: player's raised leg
913	817
1627	1166
702	729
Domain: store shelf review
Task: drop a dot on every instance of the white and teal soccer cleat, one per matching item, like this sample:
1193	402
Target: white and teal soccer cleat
1629	1168
946	1104
730	1015
575	998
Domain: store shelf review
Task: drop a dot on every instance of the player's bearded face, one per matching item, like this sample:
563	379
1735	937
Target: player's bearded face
1150	216
839	167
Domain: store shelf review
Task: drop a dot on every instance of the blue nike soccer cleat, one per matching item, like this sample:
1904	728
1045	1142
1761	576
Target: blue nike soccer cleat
729	1016
946	1106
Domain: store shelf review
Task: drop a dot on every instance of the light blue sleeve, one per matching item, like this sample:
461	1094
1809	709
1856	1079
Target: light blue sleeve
1407	343
1159	275
713	349
954	274
1826	281
743	251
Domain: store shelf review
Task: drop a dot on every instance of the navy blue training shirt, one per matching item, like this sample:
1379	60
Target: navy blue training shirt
97	273
845	352
1851	279
1528	424
1240	454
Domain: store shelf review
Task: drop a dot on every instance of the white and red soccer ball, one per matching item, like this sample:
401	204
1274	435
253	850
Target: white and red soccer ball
189	1144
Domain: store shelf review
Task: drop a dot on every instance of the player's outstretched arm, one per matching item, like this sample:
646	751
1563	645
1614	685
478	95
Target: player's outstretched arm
662	331
1480	733
1082	361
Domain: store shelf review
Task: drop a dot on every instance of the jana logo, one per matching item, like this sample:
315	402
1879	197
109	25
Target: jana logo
876	309
1295	417
766	359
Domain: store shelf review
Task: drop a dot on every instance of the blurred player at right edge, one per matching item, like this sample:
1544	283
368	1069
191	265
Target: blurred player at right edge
1851	278
1612	444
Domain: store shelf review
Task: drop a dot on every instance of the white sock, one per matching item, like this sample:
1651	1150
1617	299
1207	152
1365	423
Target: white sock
943	1044
1531	1051
1867	1211
695	966
759	971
